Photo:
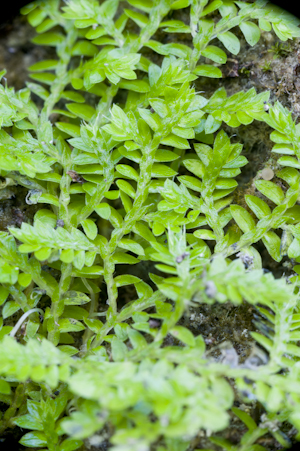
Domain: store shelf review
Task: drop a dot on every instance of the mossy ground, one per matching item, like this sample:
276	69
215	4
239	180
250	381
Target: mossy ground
253	67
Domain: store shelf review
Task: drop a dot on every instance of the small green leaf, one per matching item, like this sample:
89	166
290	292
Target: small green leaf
179	4
9	309
289	162
85	48
294	249
75	298
70	325
70	129
67	255
279	138
42	254
272	243
35	16
270	190
251	32
123	258
143	5
245	418
183	334
84	111
206	70
49	38
126	187
115	217
161	170
137	339
29	422
191	182
34	440
94	324
4	387
70	444
215	4
5	330
205	234
39	90
90	228
73	311
264	341
119	349
175	141
244	118
127	171
211	125
126	279
258	206
46	25
163	155
230	42
95	33
73	96
264	25
28	8
223	183
135	85
187	133
131	246
43	65
103	210
47	198
195	167
215	54
142	229
64	113
24	279
140	19
43	77
4	293
243	219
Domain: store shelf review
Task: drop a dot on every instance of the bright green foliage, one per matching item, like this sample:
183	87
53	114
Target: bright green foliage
144	174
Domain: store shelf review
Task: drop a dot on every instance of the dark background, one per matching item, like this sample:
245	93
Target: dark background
11	8
292	6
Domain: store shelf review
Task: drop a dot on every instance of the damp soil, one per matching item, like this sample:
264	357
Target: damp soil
268	66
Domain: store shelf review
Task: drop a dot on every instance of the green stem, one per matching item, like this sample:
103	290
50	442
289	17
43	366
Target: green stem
57	306
104	106
202	41
64	198
93	308
124	315
130	219
213	218
62	76
98	196
282	327
157	13
249	238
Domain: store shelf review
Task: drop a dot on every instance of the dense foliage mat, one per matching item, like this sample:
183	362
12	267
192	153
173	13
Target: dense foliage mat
132	166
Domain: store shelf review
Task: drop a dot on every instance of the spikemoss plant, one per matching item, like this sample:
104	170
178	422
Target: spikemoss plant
138	171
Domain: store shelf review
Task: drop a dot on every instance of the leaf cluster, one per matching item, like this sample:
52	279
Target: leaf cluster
130	165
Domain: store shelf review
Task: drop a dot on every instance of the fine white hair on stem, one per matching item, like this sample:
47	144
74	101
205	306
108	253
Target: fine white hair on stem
23	318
